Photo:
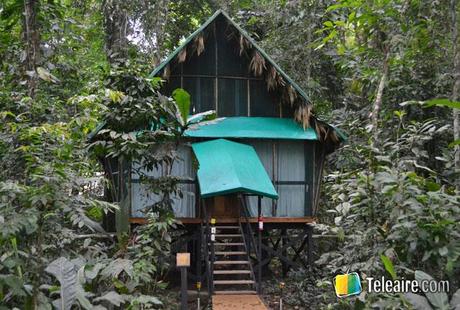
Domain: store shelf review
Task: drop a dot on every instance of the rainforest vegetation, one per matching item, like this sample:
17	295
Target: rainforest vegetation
386	72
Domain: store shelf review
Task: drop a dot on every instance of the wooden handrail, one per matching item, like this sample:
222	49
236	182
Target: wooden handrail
245	213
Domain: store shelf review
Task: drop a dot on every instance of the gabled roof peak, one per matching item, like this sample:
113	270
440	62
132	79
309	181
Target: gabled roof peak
242	32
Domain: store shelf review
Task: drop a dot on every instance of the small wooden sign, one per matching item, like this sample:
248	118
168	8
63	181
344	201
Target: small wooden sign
183	259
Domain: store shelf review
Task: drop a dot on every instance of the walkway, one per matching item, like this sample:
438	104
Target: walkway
249	302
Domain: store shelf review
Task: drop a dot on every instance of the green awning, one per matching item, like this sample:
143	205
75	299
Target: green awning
251	127
227	167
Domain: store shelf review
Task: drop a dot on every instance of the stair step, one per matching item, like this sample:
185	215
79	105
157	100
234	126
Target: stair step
230	253
235	292
228	227
232	271
231	262
229	243
230	282
228	235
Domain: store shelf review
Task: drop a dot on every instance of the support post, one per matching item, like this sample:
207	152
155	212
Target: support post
183	262
284	252
259	257
183	288
198	249
309	246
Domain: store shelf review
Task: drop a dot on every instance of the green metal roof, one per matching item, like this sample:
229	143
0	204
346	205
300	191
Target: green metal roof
157	70
227	167
251	127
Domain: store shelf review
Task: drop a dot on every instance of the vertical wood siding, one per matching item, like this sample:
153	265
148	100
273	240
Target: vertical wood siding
284	161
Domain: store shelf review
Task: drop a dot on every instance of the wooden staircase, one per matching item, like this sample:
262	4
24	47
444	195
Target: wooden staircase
232	269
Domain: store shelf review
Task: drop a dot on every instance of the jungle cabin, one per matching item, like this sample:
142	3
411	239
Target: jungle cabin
259	163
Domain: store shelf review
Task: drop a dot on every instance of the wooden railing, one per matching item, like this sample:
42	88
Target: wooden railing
208	247
250	242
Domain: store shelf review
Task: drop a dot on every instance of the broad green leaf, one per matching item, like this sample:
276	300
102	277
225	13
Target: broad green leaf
443	102
115	267
201	117
454	143
146	299
46	75
455	301
388	266
417	301
113	298
439	300
182	99
65	273
15	285
443	251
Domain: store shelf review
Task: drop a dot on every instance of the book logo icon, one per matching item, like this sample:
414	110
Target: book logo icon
348	284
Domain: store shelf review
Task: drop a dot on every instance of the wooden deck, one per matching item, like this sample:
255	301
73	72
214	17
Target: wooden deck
249	302
267	220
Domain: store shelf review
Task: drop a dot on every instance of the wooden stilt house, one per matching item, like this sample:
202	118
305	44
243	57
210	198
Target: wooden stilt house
259	163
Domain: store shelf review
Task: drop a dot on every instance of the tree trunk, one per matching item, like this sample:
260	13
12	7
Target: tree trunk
116	29
456	89
31	36
379	95
160	26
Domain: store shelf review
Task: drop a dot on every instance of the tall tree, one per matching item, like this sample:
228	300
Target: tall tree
379	94
31	36
116	23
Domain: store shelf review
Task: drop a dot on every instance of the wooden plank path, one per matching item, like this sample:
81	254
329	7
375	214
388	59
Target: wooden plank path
240	302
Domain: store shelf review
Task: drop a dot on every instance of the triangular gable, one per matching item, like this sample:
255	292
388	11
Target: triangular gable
158	70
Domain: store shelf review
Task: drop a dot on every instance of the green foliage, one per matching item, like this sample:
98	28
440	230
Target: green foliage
65	273
443	103
435	300
388	266
392	206
394	211
182	99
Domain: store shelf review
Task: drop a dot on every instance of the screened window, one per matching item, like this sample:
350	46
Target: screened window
143	198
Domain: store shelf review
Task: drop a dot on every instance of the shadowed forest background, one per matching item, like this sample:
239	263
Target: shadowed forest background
385	72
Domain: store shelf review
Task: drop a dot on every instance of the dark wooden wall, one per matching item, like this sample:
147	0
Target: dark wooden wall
220	78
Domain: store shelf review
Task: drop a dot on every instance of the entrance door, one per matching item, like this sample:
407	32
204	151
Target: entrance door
227	206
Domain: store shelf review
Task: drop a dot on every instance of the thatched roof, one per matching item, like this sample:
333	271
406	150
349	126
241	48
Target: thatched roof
246	42
262	65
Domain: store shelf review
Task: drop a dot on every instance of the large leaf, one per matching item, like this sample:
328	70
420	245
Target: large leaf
146	299
182	99
440	300
454	143
115	267
15	285
443	102
201	117
46	75
455	301
419	302
65	273
113	298
388	266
